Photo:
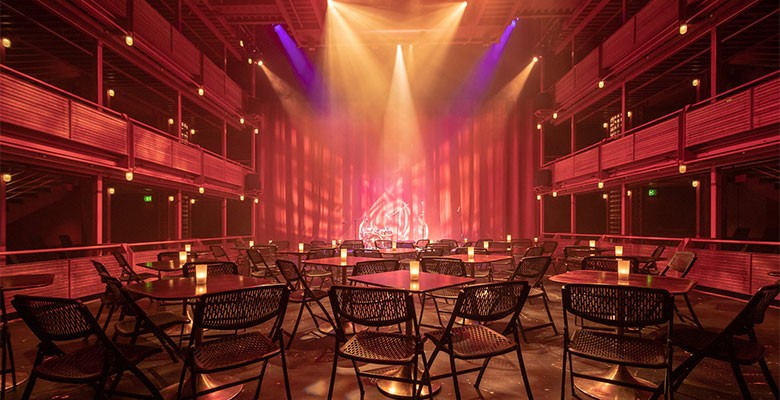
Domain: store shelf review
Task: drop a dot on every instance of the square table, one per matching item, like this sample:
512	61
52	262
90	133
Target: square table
426	283
471	262
350	261
169	265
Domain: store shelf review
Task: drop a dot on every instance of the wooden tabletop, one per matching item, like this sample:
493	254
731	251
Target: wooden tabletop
25	281
171	265
480	258
400	279
186	288
671	284
336	261
398	250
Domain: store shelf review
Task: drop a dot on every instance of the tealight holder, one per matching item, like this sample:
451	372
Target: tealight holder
592	243
509	238
486	245
471	253
624	271
182	257
333	242
343	255
251	243
619	251
414	270
393	245
201	273
300	247
188	247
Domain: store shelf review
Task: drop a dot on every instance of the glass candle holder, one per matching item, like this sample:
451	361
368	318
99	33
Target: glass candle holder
470	253
201	273
509	238
536	240
188	247
393	244
251	243
182	257
592	243
619	251
343	254
624	271
300	247
333	242
486	245
414	270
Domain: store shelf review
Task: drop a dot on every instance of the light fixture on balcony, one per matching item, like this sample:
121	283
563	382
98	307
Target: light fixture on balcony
192	201
129	39
555	115
129	176
257	200
536	59
682	168
538	197
260	63
241	120
601	84
628	193
605	125
170	121
604	196
695	183
111	92
683	28
201	190
192	131
250	61
555	194
601	185
539	126
111	191
695	82
241	197
256	131
201	91
241	43
6	177
628	114
6	42
171	198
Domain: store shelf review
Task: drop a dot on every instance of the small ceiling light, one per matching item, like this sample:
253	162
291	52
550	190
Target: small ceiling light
604	196
250	61
241	197
683	28
695	82
536	59
605	125
601	84
555	115
628	193
241	43
111	93
555	194
257	200
111	190
257	131
6	43
192	201
241	120
259	63
171	198
682	168
129	39
201	190
695	184
129	176
601	185
539	126
170	121
192	131
538	197
201	91
6	177
628	114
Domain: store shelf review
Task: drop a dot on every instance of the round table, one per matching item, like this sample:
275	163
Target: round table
9	283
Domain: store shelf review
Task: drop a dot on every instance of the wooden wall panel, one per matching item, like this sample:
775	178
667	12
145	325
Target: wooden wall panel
656	17
762	265
234	174
84	279
727	117
617	152
213	78
586	162
213	167
153	147
185	54
619	45
766	104
151	27
58	288
233	94
186	158
586	73
115	8
94	128
563	169
656	140
722	270
31	107
564	88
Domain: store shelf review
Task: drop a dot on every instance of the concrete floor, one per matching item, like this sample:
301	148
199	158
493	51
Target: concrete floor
310	361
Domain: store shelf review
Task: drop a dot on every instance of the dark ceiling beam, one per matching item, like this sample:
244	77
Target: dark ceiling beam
229	45
584	23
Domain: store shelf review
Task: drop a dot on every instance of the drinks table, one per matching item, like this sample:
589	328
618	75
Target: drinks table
426	283
183	289
9	283
337	262
603	390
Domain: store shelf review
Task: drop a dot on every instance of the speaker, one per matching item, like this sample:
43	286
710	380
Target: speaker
252	182
543	178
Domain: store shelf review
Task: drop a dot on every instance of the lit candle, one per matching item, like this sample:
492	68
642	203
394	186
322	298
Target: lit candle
182	257
201	273
619	251
333	242
592	243
200	289
188	247
300	247
414	270
251	243
536	240
393	244
486	245
471	253
414	286
509	238
343	254
624	269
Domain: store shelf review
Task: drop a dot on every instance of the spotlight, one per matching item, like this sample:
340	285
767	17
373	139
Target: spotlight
171	199
604	196
682	168
241	197
129	39
259	63
536	59
601	185
601	84
555	194
170	121
683	28
555	115
6	177
539	126
695	184
129	176
538	197
201	91
241	120
6	43
111	92
201	190
628	193
111	190
695	82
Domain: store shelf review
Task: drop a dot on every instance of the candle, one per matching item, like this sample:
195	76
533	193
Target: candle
624	270
300	247
182	257
509	238
536	240
486	245
414	286
343	254
471	253
414	270
619	251
393	244
188	247
333	242
592	243
200	289
201	273
251	243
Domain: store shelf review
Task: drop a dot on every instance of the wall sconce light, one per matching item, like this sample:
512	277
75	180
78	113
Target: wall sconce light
192	131
628	114
241	197
170	121
6	42
249	60
111	191
201	91
555	194
605	125
555	115
241	120
256	131
171	198
682	168
110	92
695	82
695	184
6	177
601	185
257	200
683	28
192	201
201	190
539	126
129	176
241	43
601	84
538	197
604	196
628	193
129	39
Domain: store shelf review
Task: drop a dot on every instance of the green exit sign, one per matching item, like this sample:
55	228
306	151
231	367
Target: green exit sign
651	192
148	198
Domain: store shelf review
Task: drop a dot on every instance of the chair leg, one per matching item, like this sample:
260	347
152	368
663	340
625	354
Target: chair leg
333	371
524	372
260	380
295	327
438	313
563	374
360	381
770	381
482	372
693	313
111	309
454	372
29	387
549	314
740	381
284	375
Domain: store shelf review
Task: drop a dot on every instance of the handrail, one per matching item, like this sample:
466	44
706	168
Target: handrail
730	241
740	88
59	249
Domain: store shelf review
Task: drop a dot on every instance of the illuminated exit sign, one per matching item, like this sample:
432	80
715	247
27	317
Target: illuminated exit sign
147	198
651	192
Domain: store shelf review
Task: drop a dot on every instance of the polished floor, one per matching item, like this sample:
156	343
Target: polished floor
310	361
